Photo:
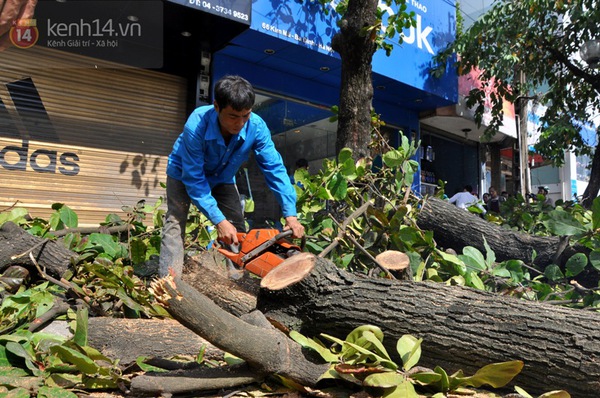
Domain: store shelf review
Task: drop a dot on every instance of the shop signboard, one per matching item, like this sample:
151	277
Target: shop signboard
236	10
306	24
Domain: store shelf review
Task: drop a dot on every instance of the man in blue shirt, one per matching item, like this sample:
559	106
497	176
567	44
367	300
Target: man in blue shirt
216	140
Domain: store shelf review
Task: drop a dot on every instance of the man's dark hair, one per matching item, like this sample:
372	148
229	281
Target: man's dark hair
235	91
301	163
468	188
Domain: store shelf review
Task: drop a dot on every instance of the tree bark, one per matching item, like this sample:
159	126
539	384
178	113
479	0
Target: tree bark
128	339
461	328
455	228
591	191
207	274
356	51
16	243
265	349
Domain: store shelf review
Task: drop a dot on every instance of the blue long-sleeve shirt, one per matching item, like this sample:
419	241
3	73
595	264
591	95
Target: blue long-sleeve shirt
201	160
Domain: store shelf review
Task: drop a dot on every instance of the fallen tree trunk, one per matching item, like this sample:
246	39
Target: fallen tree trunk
461	328
456	228
265	349
16	244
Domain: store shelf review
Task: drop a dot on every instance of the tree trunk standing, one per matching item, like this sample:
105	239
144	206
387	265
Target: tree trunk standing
456	228
461	328
356	49
593	187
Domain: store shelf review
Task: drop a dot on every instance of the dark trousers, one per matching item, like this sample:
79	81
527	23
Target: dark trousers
178	205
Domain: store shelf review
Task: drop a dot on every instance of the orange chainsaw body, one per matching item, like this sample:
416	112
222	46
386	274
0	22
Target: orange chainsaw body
261	250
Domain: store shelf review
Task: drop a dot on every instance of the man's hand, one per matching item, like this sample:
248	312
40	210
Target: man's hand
293	224
227	233
11	11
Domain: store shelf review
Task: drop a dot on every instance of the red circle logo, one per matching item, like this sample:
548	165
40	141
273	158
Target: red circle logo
24	35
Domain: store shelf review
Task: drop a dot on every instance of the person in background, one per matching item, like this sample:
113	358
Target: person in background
465	199
486	199
494	202
547	199
216	140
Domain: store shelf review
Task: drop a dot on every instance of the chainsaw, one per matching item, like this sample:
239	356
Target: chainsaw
261	250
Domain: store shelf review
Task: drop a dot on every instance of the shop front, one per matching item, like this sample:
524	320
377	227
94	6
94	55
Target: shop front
92	128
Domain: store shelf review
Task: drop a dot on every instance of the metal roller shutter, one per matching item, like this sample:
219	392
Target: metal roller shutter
91	134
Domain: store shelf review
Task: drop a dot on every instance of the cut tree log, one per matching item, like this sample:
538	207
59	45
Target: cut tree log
266	350
462	328
16	244
128	339
456	228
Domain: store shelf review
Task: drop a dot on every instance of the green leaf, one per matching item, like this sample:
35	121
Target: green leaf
55	392
553	272
473	258
64	380
8	371
16	215
99	383
595	259
496	374
19	392
338	186
562	223
68	217
403	390
556	394
148	368
384	380
596	213
325	353
490	256
425	378
18	350
376	343
393	158
81	361
444	383
105	242
576	264
522	392
344	155
80	337
409	348
473	280
138	247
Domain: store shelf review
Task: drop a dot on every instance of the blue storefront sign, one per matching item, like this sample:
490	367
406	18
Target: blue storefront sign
236	10
306	24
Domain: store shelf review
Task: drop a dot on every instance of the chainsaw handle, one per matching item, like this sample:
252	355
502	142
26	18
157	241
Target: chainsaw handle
288	232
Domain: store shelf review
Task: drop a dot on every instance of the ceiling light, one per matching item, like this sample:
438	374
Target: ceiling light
132	18
269	51
297	131
185	33
418	100
380	87
324	68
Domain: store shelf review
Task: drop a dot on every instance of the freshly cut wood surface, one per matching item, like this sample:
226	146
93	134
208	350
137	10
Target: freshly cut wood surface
290	271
